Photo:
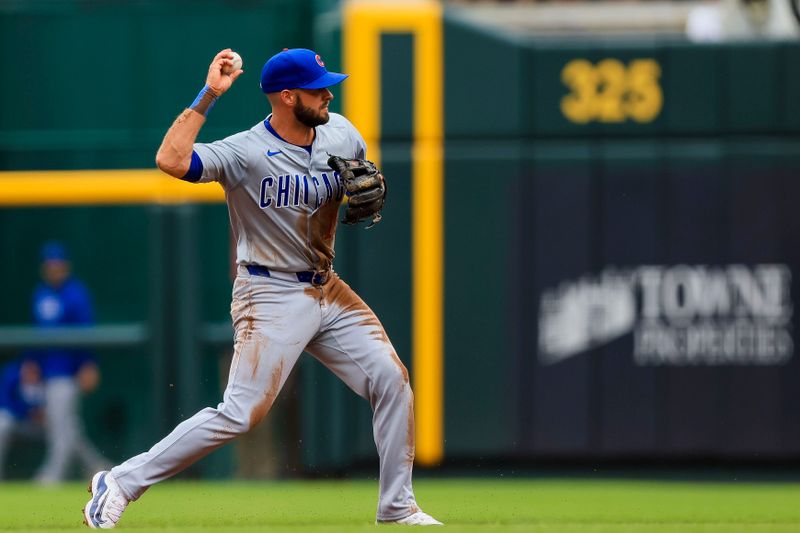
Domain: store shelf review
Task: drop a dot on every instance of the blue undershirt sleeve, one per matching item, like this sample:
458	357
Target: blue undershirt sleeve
195	171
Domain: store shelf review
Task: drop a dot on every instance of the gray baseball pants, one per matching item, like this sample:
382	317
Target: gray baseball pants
274	321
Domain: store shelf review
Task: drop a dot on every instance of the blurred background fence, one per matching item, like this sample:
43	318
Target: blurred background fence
620	233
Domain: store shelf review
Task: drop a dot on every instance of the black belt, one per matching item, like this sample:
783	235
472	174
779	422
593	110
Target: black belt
308	276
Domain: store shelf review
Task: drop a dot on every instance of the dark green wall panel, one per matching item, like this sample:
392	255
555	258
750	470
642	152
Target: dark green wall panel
486	93
703	89
397	86
692	87
790	83
753	90
99	85
479	280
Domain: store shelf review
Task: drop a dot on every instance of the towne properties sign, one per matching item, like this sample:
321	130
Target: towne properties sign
678	314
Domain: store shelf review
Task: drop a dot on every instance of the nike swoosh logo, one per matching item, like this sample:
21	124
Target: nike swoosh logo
270	153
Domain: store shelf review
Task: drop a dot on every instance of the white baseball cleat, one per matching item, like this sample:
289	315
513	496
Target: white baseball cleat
417	519
105	507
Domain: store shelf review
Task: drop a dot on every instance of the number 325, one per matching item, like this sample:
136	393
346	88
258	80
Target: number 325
611	92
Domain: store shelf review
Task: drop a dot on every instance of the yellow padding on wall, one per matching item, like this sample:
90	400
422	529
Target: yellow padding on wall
101	187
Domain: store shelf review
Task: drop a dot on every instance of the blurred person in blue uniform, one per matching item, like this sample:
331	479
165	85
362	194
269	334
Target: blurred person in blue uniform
21	402
62	300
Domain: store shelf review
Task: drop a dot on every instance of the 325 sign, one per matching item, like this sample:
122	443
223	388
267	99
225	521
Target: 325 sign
612	92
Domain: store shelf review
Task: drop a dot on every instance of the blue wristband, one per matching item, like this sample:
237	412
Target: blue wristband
202	101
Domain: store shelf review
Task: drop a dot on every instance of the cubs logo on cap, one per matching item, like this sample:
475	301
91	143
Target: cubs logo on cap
297	68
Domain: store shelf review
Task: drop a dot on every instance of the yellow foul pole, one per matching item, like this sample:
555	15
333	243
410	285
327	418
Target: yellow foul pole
367	21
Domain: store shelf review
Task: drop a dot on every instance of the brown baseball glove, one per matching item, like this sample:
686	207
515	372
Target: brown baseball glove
366	189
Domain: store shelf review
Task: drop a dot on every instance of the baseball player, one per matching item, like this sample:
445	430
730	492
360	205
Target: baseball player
62	300
283	198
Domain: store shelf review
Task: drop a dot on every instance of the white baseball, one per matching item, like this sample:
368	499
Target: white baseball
237	64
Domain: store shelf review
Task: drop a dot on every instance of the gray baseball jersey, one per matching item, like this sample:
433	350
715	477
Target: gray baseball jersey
283	204
282	200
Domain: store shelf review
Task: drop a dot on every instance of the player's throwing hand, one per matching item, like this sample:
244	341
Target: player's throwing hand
218	81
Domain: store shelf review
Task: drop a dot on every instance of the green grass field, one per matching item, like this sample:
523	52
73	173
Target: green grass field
546	505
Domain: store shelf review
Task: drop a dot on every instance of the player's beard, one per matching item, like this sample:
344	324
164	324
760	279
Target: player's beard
308	116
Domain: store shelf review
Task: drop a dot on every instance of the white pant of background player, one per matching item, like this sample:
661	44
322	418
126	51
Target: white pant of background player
66	437
275	320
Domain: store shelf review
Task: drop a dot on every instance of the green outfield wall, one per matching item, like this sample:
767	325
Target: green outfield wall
619	233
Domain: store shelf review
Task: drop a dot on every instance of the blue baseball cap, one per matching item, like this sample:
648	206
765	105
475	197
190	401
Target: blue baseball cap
54	250
297	68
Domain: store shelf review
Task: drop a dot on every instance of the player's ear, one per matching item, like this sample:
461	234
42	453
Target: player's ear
288	97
